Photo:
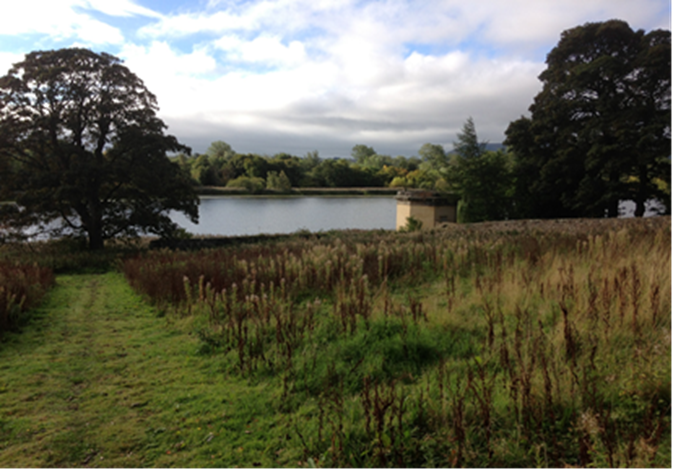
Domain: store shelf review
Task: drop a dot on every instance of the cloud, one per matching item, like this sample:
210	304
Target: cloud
521	22
69	19
418	99
123	8
515	23
7	59
159	61
285	75
263	49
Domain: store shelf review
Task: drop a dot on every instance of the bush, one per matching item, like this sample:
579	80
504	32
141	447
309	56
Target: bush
278	182
251	184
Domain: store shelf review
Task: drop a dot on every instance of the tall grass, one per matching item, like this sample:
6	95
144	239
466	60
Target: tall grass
472	347
71	256
21	288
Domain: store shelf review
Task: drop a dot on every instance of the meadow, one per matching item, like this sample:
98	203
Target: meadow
520	343
503	344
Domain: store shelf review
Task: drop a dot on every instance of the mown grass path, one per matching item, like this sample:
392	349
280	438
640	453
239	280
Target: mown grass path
99	379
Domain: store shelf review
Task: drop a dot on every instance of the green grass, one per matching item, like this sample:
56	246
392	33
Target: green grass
445	348
474	346
97	379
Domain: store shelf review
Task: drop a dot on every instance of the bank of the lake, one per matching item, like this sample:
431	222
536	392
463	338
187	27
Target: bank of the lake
367	191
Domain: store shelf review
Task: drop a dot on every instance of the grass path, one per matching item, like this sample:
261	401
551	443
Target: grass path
98	379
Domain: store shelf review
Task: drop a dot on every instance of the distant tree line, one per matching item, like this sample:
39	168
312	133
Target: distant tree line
220	165
599	134
483	178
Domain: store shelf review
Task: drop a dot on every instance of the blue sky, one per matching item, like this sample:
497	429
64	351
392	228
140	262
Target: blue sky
293	76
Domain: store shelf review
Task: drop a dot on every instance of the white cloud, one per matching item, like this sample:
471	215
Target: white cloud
158	63
518	23
124	8
263	49
425	98
393	73
7	59
68	19
522	23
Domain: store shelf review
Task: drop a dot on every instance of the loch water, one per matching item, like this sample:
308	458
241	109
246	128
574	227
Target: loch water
253	215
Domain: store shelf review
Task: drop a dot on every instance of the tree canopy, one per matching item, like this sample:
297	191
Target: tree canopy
81	149
599	130
468	146
481	178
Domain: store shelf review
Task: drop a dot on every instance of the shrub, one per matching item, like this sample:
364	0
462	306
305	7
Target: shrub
251	184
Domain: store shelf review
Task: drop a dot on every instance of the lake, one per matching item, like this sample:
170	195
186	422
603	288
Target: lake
253	215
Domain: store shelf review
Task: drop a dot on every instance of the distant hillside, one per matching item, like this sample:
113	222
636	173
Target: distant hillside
494	147
489	147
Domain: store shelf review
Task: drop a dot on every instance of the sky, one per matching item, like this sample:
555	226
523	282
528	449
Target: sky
270	76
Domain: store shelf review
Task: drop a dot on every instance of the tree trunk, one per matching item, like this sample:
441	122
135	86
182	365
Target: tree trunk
95	238
95	225
613	208
642	191
640	208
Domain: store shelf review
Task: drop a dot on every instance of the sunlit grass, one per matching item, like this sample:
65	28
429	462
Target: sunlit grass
472	347
97	379
488	345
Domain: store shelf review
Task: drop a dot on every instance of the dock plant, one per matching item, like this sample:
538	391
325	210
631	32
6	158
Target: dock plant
469	346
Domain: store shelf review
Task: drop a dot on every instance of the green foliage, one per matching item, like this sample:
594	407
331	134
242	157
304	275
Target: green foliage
361	152
600	128
399	182
204	172
250	184
485	187
338	173
219	149
468	146
433	154
470	347
412	225
81	145
221	165
483	179
278	182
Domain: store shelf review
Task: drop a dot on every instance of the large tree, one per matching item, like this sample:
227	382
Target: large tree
599	130
81	147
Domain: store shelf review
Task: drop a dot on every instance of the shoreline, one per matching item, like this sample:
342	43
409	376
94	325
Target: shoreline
296	192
